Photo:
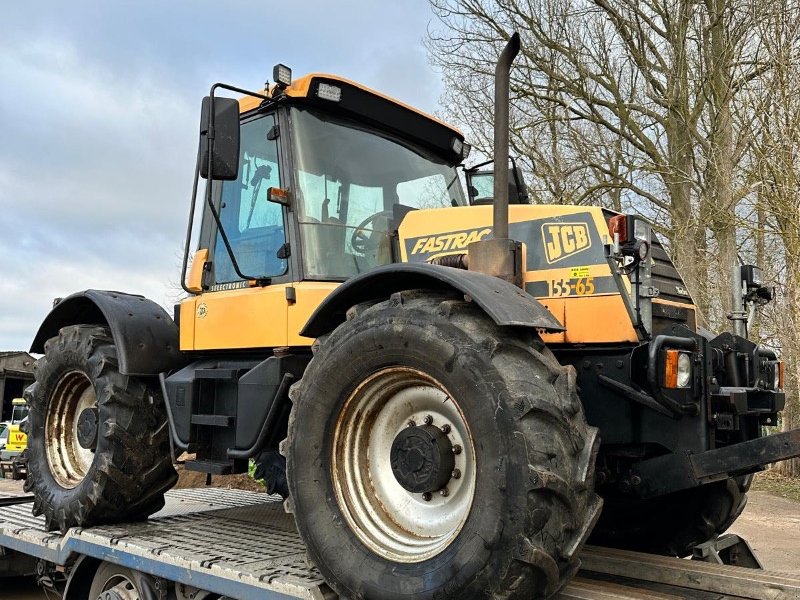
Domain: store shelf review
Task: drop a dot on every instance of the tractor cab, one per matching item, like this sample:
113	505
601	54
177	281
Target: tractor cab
343	181
326	171
19	411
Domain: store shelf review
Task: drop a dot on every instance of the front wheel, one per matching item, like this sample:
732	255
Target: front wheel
433	454
673	524
98	445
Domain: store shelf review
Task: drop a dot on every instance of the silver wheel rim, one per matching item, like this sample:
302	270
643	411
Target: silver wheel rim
69	461
387	518
119	586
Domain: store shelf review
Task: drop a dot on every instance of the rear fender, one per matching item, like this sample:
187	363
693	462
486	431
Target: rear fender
146	338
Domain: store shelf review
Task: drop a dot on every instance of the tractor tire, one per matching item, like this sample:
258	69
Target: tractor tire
674	524
434	454
98	441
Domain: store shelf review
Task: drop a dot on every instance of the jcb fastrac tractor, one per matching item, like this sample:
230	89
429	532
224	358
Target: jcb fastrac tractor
423	374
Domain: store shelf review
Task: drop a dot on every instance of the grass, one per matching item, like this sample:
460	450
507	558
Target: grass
777	485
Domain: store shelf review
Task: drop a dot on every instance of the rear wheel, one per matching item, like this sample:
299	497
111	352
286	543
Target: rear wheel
98	445
433	454
673	524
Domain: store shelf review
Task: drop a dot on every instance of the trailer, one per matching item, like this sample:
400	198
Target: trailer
211	543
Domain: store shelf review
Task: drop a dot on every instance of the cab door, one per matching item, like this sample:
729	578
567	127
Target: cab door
234	311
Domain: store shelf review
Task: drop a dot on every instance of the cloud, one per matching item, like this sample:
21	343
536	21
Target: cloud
99	118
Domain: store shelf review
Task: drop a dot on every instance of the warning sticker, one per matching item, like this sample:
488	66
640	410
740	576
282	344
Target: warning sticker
576	272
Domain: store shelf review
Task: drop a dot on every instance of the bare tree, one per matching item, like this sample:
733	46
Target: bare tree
624	103
772	114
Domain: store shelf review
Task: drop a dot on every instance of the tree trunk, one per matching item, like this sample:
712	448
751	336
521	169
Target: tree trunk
791	355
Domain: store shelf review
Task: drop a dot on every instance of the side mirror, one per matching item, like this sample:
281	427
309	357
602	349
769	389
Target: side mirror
521	190
225	157
480	186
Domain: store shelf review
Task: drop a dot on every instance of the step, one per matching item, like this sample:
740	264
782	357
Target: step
213	420
210	466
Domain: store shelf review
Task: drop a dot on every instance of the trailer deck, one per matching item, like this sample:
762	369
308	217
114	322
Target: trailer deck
243	545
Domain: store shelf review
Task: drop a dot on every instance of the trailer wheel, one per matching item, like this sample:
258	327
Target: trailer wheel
113	582
98	445
673	524
433	454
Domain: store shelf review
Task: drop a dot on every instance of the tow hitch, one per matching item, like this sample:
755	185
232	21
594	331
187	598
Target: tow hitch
674	472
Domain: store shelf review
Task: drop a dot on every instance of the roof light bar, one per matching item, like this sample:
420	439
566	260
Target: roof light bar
326	91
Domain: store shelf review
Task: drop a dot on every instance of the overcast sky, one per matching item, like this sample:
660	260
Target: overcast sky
99	114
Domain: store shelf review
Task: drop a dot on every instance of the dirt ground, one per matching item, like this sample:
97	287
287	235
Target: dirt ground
770	523
772	527
193	479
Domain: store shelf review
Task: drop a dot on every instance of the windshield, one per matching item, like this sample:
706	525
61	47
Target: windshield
349	179
18	413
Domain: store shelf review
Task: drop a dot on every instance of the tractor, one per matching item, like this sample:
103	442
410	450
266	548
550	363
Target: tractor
423	374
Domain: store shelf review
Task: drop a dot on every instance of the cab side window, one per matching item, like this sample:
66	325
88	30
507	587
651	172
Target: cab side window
254	225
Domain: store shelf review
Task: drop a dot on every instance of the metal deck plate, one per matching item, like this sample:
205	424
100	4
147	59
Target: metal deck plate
230	542
242	545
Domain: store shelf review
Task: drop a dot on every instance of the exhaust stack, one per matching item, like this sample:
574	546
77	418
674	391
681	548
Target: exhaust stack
502	99
500	257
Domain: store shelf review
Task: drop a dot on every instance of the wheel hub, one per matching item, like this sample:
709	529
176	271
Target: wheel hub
382	455
422	459
87	428
71	429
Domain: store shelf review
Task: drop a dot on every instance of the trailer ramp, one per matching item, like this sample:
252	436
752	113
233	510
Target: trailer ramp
242	545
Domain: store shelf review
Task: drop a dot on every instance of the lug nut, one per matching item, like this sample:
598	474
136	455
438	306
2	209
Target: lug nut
445	428
456	449
411	423
456	474
428	419
427	496
445	493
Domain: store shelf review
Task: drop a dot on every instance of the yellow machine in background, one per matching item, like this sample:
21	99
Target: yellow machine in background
17	439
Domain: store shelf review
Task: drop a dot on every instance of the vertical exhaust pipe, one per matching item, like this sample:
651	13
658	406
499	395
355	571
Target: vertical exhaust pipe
502	99
500	256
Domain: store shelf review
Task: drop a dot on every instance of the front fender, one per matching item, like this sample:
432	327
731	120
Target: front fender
146	338
504	302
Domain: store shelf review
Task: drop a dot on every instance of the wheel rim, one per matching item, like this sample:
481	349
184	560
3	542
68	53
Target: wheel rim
69	461
389	519
119	587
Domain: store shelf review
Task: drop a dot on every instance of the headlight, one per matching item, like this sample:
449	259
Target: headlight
677	369
684	369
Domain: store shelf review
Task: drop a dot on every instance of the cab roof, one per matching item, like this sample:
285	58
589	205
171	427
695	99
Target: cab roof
364	104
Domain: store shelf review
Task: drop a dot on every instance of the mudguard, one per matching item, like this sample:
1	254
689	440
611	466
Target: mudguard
504	302
146	338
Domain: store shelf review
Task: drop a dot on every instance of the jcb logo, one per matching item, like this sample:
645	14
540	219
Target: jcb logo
564	239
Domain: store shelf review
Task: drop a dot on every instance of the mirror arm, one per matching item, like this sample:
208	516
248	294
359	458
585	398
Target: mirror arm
192	206
479	165
210	178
